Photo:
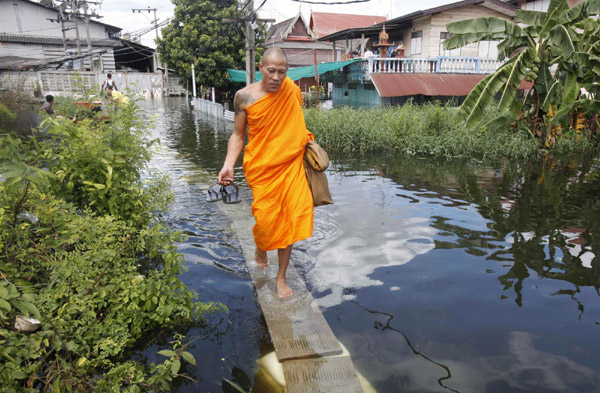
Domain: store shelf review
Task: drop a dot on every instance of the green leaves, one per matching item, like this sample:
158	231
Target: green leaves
201	36
563	40
96	252
559	36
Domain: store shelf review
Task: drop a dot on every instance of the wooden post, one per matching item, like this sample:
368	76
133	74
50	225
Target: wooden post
317	78
334	59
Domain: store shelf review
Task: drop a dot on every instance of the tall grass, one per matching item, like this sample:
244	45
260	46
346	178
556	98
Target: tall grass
431	129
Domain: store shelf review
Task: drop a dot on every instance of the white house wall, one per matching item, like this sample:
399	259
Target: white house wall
18	17
441	20
47	52
433	25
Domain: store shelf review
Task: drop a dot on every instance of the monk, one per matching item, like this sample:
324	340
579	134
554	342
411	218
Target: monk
273	165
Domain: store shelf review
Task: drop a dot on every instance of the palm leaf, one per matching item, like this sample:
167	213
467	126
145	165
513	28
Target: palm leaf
553	15
484	25
551	96
544	80
482	95
585	8
568	103
531	18
591	62
460	40
557	6
515	71
559	36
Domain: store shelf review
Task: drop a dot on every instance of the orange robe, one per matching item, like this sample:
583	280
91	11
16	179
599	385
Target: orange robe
274	168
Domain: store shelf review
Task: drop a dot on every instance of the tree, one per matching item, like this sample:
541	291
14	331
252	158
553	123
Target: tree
198	33
558	50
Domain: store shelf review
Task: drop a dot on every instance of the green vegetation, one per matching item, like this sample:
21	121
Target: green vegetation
198	33
430	129
84	250
558	50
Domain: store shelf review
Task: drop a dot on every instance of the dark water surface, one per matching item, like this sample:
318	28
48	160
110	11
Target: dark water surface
436	276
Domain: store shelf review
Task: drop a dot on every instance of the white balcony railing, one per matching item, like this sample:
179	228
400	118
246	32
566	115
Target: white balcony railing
441	64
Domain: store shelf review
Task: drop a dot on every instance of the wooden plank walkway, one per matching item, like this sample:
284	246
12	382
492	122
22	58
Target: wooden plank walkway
303	340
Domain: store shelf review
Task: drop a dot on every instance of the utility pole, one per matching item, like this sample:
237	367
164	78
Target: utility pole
250	44
75	6
61	18
155	23
249	18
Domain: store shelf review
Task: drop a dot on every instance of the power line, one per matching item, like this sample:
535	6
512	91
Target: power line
331	2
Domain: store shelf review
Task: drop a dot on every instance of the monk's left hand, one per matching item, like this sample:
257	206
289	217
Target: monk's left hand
225	176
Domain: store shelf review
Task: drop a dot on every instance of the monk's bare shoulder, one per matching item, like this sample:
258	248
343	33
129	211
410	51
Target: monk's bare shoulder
243	99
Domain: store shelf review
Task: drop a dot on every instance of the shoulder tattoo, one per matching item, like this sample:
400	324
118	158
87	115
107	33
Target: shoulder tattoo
242	99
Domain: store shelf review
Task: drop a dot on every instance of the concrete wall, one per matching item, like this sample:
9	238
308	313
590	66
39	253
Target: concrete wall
47	51
355	94
66	83
19	17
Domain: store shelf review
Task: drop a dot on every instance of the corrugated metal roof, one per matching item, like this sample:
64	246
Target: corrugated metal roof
324	23
397	85
32	39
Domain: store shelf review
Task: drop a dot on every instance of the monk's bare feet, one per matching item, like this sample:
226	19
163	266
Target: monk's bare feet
283	290
261	259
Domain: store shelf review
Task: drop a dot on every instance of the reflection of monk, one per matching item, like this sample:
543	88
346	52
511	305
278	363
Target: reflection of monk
273	161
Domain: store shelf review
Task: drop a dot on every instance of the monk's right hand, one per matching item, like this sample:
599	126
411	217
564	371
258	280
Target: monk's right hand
225	176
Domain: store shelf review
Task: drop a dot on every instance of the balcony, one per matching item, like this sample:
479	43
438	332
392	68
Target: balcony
439	65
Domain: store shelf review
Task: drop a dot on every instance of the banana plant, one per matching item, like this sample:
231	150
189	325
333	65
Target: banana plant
558	50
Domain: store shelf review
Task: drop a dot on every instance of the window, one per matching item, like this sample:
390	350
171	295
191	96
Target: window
338	85
537	5
369	86
454	52
415	42
18	18
488	50
352	86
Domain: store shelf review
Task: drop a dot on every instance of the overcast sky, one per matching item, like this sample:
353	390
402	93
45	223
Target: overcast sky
118	12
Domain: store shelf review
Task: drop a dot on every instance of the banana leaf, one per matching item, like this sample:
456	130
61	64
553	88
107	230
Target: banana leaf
585	8
531	18
515	71
559	36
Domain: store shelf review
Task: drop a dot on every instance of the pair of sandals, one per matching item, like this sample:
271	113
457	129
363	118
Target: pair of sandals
228	193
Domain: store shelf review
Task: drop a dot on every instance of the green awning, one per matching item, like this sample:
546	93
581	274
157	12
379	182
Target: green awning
295	73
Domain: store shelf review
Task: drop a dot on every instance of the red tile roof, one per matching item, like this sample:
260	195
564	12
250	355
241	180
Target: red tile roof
324	23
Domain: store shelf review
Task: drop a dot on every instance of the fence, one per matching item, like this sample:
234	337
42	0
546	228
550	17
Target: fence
441	64
141	84
212	109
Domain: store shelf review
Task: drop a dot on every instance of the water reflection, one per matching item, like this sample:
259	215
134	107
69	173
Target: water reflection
539	217
436	276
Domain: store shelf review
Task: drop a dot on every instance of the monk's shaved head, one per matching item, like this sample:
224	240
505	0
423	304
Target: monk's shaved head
274	66
274	53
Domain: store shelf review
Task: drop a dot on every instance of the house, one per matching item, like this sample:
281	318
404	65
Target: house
298	42
298	39
324	23
41	47
424	70
33	35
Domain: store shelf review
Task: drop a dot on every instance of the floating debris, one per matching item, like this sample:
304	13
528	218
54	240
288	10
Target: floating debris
26	325
26	216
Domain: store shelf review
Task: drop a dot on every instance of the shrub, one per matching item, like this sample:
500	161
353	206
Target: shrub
430	129
83	249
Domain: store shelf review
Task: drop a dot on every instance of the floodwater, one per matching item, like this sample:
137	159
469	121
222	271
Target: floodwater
436	276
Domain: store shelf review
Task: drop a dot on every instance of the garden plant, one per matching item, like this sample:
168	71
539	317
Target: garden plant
558	51
87	263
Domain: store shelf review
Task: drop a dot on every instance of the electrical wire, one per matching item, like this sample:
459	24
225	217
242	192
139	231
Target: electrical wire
332	2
